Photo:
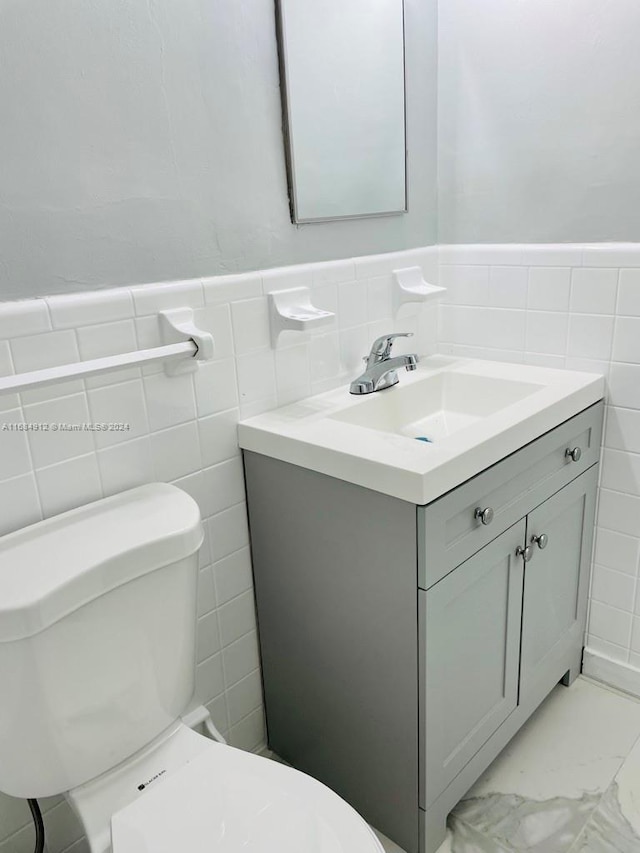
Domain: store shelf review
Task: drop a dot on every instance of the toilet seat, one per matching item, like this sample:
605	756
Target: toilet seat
225	800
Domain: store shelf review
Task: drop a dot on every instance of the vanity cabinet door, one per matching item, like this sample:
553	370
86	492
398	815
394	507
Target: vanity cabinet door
556	583
470	635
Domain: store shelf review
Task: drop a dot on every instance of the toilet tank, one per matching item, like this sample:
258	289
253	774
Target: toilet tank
97	636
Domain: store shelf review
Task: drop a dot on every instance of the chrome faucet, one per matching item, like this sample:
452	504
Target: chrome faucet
381	368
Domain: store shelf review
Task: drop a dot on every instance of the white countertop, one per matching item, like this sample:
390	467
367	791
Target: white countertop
308	434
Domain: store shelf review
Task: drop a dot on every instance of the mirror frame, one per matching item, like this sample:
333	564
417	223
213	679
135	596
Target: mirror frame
287	134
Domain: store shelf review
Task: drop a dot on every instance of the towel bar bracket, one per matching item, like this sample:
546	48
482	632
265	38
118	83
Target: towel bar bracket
184	347
178	325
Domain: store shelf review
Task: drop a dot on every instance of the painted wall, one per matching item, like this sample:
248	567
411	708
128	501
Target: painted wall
538	121
142	141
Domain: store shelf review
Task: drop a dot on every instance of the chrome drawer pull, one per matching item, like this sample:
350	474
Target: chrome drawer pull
573	454
484	515
525	553
541	541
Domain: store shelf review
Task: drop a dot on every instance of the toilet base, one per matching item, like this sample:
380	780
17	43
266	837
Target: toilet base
184	790
97	800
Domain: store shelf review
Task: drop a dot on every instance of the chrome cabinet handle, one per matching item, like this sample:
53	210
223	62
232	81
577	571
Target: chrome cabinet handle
525	553
573	453
484	515
541	541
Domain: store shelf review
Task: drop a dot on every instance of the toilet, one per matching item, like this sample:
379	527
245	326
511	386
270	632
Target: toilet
97	666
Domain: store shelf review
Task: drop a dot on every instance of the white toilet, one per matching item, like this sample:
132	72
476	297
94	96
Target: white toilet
97	665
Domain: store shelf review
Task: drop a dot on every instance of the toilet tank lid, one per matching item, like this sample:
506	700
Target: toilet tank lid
53	567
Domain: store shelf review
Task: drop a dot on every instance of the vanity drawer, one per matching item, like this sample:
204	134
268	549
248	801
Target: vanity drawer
449	531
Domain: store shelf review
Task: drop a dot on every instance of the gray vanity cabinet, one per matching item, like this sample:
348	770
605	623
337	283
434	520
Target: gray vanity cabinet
471	626
403	646
500	631
556	582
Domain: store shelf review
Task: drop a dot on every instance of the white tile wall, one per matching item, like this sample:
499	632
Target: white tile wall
183	430
563	306
581	311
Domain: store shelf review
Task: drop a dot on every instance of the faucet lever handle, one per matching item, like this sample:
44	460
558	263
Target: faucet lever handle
382	346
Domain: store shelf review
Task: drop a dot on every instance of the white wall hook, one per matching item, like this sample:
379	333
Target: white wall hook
291	310
177	326
410	286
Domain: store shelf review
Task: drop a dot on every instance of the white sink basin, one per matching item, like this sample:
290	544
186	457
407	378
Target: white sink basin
471	413
437	405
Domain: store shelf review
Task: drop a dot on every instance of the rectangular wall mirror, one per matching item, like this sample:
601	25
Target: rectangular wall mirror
342	76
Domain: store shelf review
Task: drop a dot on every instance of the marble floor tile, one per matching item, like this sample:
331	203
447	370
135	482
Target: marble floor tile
520	824
569	782
573	744
607	830
468	839
627	783
551	785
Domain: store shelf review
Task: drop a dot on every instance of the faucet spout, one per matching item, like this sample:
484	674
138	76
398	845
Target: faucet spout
381	370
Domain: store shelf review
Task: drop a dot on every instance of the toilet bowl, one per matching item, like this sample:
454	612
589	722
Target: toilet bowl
230	801
97	662
220	799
